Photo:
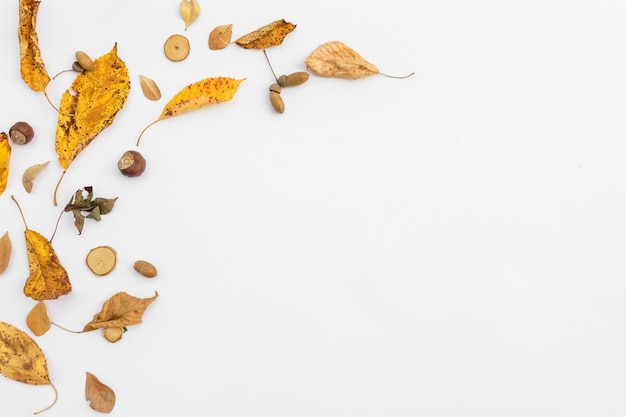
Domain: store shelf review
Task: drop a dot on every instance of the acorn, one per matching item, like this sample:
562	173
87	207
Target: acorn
277	101
21	133
293	79
132	163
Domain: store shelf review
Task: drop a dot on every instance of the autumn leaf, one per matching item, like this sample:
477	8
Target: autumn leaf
120	310
37	319
94	207
200	94
189	10
5	251
100	396
5	159
220	37
31	174
22	360
32	67
149	88
272	34
89	106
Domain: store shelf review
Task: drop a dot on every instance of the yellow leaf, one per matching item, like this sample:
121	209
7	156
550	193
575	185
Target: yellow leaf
48	279
335	59
90	105
197	95
5	159
37	319
271	34
32	67
21	358
189	10
120	310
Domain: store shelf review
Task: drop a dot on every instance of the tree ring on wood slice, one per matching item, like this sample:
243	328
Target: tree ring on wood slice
101	260
176	48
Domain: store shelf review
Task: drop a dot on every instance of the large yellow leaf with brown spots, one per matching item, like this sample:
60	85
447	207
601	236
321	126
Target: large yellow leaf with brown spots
32	67
5	159
48	279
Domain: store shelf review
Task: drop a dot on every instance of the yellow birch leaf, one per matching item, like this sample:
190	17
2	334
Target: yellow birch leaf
189	10
32	67
38	320
90	105
335	59
48	279
200	94
22	360
271	34
5	159
120	310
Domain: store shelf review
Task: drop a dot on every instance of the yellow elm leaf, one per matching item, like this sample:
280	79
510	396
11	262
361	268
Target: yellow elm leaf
48	279
5	159
271	34
21	358
189	10
32	67
120	310
200	94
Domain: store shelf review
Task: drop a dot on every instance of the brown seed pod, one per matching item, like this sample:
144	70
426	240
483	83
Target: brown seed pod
277	101
145	268
131	163
85	62
293	79
21	133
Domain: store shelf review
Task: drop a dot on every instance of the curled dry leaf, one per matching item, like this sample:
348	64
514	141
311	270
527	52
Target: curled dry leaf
220	37
189	10
335	59
31	174
5	251
22	360
5	159
120	310
200	94
272	34
37	320
149	88
100	396
32	67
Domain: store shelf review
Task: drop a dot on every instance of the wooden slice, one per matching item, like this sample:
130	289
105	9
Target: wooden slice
101	260
176	47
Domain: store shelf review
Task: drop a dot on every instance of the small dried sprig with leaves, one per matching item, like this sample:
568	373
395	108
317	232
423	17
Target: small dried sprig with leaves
83	207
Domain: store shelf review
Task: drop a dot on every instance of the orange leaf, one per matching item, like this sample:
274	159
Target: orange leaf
197	95
120	310
32	67
100	396
5	159
271	34
48	279
37	320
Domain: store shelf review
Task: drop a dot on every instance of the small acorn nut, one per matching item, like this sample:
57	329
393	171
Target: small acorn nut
113	334
21	133
84	61
76	67
132	163
293	79
277	101
145	268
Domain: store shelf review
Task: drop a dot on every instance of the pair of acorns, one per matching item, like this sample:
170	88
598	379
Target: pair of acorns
290	80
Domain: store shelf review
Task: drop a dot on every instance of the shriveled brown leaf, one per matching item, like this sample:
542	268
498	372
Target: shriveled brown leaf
32	67
5	251
189	10
272	34
37	320
100	396
220	37
335	59
149	88
31	174
120	310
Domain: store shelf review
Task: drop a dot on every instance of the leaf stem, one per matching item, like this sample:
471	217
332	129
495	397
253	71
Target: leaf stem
66	329
396	76
56	397
56	226
20	209
144	129
270	64
57	187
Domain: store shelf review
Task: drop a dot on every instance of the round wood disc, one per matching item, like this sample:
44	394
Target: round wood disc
101	260
176	47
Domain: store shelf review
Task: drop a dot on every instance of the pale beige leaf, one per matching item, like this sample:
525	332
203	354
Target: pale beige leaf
150	88
30	174
335	59
100	396
37	320
5	251
220	37
189	10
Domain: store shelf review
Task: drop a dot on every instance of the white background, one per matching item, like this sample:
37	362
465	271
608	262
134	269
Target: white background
450	244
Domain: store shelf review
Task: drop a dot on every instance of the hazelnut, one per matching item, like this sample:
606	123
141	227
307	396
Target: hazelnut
21	133
132	164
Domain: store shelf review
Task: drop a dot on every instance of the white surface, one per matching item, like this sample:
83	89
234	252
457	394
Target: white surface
451	244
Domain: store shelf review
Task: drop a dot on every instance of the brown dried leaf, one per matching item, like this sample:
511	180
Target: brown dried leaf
189	10
100	396
271	34
220	37
335	59
150	88
37	320
30	174
5	251
48	279
21	358
120	310
32	67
